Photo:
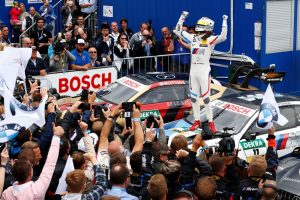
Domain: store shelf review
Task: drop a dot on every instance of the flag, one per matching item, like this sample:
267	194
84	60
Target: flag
14	108
269	111
62	185
14	61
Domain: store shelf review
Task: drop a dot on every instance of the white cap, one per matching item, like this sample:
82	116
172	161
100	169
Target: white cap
80	41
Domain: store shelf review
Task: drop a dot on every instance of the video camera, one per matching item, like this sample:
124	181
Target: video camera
226	144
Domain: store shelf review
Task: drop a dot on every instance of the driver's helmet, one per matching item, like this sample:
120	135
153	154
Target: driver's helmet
204	25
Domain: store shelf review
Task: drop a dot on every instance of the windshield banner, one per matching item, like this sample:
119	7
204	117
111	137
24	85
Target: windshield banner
72	83
233	107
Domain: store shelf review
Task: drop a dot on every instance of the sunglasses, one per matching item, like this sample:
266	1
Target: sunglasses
92	51
123	38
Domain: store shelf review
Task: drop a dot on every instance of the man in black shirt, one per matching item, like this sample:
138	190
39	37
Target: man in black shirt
41	37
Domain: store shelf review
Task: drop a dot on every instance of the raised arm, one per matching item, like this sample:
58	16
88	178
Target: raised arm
223	36
178	30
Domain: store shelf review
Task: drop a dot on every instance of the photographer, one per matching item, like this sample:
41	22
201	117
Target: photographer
143	48
60	60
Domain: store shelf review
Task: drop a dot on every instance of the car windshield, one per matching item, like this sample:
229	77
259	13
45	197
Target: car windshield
116	93
224	118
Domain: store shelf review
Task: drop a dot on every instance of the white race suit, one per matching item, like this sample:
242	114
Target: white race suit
201	50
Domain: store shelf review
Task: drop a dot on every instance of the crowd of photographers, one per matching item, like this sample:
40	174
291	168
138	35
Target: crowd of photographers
117	156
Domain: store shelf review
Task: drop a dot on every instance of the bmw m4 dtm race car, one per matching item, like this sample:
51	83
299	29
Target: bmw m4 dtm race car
240	111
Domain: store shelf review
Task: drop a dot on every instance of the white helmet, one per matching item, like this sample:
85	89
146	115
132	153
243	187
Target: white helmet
204	24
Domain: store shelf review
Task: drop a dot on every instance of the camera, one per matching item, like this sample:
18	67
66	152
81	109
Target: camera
59	47
128	106
98	111
84	106
174	36
151	119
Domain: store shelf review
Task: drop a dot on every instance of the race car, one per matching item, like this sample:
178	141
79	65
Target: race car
288	176
240	111
165	94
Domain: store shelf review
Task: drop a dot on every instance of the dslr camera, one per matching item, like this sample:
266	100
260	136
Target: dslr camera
98	111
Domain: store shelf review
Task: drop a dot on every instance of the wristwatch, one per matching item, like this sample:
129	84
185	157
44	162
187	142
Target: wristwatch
4	166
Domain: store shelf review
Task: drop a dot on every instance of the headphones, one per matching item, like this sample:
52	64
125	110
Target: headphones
261	191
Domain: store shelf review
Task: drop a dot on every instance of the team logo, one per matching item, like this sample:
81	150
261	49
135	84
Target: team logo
268	113
165	76
9	132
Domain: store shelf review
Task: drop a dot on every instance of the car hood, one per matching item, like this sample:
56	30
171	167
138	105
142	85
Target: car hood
288	175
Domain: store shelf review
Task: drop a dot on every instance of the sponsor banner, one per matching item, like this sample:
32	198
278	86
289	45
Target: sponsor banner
72	83
147	113
233	108
253	144
165	83
131	83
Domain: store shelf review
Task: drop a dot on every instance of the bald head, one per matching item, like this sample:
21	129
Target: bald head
26	42
115	147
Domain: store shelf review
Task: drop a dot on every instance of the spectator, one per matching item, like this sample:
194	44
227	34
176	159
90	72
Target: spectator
122	50
22	171
137	37
157	187
59	61
24	13
218	170
29	20
104	45
94	58
166	46
80	23
5	35
119	178
15	13
69	12
36	66
47	12
206	188
76	181
83	61
41	37
69	42
2	41
144	48
114	31
124	28
4	159
256	170
87	6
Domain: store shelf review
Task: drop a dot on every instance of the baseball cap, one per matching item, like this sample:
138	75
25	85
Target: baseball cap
80	41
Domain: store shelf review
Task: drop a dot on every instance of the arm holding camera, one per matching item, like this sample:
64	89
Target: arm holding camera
138	130
162	136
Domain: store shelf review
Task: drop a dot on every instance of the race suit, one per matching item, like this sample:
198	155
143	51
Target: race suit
201	50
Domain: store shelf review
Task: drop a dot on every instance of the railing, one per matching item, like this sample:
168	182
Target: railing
28	29
174	62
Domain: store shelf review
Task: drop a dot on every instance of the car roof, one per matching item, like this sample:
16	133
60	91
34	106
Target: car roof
239	98
154	77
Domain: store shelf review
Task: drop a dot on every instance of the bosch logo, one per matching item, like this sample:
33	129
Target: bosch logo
165	76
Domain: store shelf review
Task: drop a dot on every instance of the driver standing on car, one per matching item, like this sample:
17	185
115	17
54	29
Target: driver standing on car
202	44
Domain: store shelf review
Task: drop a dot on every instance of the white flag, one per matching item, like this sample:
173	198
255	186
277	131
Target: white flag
269	111
14	108
62	185
13	63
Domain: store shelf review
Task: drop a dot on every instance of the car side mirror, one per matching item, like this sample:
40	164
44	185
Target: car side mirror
250	136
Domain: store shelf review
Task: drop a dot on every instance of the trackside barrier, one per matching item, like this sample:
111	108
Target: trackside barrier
71	83
175	62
